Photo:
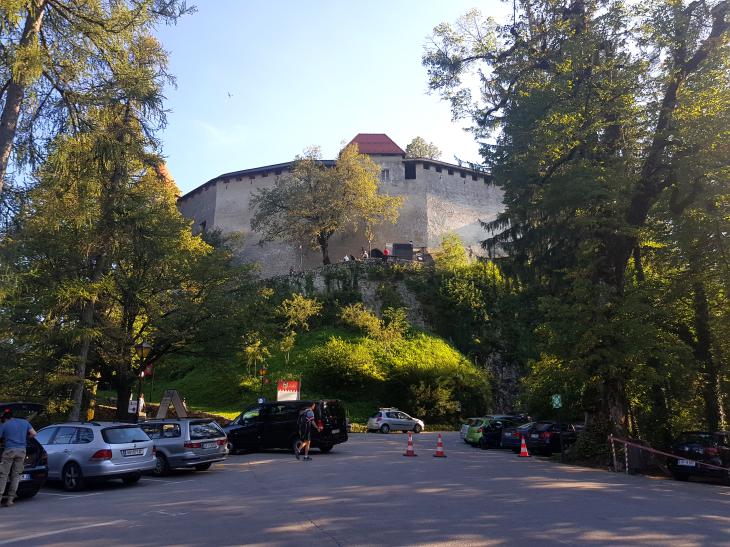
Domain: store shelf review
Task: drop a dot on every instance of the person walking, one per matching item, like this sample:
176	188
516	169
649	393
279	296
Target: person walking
15	433
386	254
305	423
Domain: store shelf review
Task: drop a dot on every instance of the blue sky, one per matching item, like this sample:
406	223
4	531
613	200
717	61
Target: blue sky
300	74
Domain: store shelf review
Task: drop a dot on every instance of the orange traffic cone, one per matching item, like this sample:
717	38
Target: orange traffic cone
440	448
523	448
409	450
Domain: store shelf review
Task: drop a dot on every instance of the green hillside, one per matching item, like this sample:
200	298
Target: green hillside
419	373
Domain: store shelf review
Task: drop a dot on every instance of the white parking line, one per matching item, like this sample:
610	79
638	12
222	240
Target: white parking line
70	496
61	531
168	482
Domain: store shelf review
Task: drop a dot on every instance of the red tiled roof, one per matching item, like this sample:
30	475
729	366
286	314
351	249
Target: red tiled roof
377	143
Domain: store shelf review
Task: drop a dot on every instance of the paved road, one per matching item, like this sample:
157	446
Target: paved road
366	493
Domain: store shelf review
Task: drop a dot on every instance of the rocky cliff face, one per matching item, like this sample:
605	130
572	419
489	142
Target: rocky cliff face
378	289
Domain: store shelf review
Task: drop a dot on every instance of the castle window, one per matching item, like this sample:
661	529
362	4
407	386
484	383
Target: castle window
385	175
251	177
426	166
451	171
463	174
410	170
438	169
474	177
264	174
238	179
277	172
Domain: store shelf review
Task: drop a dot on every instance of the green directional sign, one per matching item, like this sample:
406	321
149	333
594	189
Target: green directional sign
557	401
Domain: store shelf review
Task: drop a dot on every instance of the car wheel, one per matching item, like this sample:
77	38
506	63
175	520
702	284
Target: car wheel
203	466
132	479
231	448
385	428
417	428
483	444
72	478
162	468
679	476
27	494
325	448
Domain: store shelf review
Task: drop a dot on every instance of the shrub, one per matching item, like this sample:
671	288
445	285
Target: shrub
342	366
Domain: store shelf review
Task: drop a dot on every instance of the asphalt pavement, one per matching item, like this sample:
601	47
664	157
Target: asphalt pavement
365	492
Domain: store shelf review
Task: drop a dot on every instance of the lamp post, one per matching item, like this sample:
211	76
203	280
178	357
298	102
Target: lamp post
142	350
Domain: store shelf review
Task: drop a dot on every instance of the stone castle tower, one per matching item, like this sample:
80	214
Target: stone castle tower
438	198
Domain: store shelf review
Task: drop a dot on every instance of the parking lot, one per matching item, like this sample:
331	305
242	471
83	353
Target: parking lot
366	493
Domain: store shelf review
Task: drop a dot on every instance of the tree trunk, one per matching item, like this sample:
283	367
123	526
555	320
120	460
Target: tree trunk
703	353
16	88
87	323
324	247
124	394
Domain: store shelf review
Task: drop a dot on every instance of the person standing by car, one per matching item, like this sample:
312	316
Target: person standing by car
305	424
15	433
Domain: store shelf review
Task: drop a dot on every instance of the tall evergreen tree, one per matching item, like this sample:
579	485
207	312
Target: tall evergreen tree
62	57
581	111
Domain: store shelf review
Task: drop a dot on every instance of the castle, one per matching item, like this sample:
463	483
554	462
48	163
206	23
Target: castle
438	197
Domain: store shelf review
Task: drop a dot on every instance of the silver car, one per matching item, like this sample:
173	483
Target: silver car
96	450
186	443
386	420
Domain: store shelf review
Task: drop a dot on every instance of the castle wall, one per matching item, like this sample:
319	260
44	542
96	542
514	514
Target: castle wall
457	203
435	202
200	207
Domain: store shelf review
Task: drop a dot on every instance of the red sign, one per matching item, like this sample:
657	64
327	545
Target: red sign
287	390
288	385
148	370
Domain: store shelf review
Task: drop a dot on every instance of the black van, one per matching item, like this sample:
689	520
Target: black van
274	425
35	471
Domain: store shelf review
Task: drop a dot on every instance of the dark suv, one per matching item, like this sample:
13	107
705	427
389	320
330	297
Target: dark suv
696	447
35	471
274	425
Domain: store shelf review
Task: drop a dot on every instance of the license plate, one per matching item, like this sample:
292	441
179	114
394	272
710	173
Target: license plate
133	452
335	431
25	477
688	463
209	445
534	436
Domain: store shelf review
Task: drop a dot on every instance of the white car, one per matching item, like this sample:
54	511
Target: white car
386	420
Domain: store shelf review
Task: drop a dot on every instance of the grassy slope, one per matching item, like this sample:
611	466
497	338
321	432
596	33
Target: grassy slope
225	388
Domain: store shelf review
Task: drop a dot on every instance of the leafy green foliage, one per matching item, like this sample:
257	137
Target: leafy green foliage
419	148
315	201
607	131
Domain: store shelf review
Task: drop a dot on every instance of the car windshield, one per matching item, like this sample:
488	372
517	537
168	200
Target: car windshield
705	439
204	430
124	435
544	426
478	423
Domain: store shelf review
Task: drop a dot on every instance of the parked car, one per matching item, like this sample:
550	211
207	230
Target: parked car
274	425
545	437
475	431
186	443
511	436
491	436
35	469
386	420
695	447
465	427
80	451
